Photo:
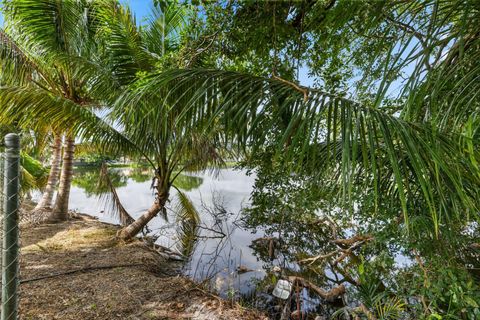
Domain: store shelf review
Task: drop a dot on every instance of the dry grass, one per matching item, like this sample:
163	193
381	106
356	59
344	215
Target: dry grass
146	287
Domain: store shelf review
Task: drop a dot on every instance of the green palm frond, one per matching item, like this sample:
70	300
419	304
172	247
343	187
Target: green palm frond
17	66
111	199
32	107
125	50
34	175
50	26
198	151
164	30
390	308
188	220
255	111
28	181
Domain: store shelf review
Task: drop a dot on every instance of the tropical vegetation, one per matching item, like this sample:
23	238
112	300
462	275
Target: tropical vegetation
375	161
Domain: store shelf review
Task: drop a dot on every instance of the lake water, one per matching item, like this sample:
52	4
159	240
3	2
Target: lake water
215	257
222	253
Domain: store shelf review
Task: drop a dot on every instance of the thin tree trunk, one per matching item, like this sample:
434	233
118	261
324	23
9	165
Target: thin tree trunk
60	211
135	227
55	161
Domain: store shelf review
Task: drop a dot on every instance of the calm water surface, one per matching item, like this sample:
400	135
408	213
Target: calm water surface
221	253
215	257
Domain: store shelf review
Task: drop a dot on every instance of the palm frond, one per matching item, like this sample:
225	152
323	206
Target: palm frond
188	220
17	66
111	199
33	107
165	27
48	25
125	49
33	175
255	111
389	308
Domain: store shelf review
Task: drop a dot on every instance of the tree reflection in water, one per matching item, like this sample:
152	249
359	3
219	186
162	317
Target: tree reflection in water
88	179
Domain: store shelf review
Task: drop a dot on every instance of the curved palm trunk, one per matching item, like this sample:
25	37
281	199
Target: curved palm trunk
135	227
60	211
55	161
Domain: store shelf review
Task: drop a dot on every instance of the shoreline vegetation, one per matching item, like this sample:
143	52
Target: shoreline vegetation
357	124
78	269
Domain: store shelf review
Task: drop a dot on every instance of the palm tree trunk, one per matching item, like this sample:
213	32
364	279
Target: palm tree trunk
55	161
60	211
132	229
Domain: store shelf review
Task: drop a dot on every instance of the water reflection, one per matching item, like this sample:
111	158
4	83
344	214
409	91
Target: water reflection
242	251
244	244
187	183
88	179
221	244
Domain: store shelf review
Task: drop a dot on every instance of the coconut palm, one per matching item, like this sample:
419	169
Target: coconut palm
169	148
54	174
59	72
49	55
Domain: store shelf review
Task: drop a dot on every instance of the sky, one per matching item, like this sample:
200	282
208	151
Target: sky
141	8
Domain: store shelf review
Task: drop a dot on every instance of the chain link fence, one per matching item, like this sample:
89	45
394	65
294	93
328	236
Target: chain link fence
9	230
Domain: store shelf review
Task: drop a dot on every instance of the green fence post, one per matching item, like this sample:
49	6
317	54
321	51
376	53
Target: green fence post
10	228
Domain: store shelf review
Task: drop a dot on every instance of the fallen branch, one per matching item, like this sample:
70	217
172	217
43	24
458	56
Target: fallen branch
352	240
346	276
312	260
329	295
348	252
86	269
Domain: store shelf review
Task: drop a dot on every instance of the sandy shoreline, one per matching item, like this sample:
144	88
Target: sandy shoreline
78	270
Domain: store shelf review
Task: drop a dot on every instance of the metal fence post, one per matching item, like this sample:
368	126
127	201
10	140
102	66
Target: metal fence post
2	215
10	228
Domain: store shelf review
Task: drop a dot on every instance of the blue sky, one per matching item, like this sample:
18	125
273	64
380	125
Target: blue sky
141	8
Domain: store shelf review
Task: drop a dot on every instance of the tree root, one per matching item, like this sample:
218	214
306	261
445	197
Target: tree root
329	295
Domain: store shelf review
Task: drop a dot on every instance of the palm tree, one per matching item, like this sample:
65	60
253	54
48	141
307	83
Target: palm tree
170	149
54	173
58	73
55	77
49	54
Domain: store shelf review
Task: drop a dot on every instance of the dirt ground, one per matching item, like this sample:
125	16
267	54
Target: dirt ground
78	270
